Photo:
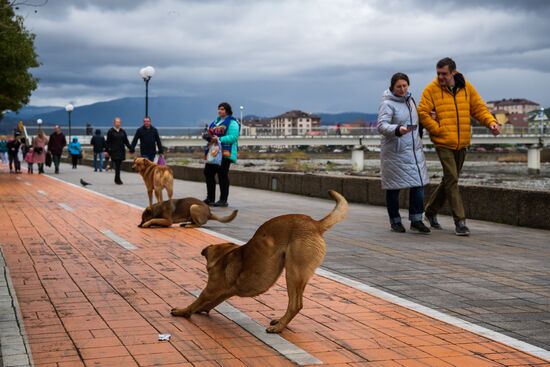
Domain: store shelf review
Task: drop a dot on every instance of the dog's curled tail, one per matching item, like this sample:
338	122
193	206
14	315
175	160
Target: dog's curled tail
337	214
227	219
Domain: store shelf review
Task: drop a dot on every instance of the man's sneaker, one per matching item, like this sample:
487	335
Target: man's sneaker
398	227
461	229
419	226
433	221
221	203
207	201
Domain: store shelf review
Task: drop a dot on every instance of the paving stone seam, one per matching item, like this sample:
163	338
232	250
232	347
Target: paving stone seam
19	341
66	207
118	240
275	341
465	325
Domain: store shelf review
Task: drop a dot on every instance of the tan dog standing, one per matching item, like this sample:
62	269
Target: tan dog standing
192	212
293	242
155	177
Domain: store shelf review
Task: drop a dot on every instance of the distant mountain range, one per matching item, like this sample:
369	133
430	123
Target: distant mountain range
164	111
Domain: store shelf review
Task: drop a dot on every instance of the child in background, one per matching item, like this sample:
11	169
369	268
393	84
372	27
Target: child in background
29	159
3	150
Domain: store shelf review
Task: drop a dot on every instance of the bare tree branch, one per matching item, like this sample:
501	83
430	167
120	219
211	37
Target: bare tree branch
35	4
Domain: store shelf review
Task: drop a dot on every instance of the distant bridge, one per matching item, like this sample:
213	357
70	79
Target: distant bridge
352	140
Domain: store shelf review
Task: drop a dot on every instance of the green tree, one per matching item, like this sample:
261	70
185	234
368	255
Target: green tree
17	56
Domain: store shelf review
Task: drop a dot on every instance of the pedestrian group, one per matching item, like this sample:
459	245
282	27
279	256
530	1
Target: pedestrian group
445	110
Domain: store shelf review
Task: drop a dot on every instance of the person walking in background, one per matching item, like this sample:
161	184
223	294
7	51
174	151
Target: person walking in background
56	143
402	161
75	151
14	146
29	158
454	101
116	142
224	129
39	150
98	144
3	150
149	139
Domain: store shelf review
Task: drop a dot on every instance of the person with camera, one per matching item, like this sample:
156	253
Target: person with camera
225	131
402	161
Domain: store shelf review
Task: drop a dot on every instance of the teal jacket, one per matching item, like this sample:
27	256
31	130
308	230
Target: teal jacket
74	147
231	137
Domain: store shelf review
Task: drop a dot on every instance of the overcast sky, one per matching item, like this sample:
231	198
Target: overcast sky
314	55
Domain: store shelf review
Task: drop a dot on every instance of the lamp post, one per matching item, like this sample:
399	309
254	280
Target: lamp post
69	108
146	73
242	109
39	123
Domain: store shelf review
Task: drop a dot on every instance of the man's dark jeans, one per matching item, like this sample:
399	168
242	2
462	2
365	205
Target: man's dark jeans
56	158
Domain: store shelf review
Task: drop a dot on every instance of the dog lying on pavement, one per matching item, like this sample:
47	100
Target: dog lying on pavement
190	212
292	242
155	177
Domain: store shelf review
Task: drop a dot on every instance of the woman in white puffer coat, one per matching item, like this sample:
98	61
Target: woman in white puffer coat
402	161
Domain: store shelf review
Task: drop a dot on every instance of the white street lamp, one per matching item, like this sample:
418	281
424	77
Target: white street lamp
242	109
147	73
69	108
39	123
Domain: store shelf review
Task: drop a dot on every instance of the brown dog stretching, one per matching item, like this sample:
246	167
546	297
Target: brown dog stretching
293	242
155	177
192	212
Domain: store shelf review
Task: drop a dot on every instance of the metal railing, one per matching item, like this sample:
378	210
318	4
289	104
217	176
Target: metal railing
275	132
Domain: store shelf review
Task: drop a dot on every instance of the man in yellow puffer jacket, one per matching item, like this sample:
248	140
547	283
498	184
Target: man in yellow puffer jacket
452	101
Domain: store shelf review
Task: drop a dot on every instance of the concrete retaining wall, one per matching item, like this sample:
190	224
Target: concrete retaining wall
510	206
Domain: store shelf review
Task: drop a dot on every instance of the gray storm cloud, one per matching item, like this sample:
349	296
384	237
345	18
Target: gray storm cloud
316	54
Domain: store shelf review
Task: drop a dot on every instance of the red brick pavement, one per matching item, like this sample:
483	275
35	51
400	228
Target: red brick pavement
87	301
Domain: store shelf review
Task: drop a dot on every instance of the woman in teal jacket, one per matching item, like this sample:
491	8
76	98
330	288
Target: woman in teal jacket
225	130
75	151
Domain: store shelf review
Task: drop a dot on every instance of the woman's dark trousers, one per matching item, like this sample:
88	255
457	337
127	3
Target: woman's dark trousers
210	171
118	163
416	204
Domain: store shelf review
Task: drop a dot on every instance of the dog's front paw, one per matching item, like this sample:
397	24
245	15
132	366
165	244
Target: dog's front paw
275	329
274	322
180	312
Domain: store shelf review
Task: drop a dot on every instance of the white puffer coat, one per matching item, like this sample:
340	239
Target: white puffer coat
402	161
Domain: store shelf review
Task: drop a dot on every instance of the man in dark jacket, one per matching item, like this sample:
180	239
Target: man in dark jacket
55	146
98	143
13	146
149	140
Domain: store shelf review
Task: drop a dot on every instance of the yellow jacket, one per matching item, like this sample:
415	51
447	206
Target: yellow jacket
453	112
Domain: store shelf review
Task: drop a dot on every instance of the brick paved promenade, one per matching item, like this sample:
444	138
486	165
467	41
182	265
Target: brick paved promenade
95	290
